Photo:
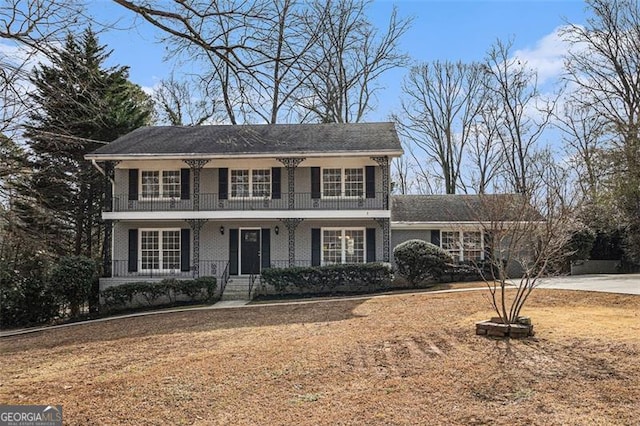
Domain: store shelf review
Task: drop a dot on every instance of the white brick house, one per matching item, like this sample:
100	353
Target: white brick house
214	200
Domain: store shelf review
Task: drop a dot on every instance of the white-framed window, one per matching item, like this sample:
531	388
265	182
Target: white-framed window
465	246
160	249
343	245
160	183
343	182
250	183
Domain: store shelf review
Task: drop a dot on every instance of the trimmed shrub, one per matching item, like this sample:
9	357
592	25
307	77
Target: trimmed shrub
71	281
418	260
326	279
123	296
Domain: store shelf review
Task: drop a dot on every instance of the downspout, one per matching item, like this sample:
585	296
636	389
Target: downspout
103	173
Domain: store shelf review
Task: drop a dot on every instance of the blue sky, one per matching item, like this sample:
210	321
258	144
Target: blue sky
442	29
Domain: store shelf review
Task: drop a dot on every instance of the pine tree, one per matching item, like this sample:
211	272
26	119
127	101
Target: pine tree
80	104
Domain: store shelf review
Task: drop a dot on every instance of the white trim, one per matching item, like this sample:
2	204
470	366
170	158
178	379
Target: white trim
342	238
452	225
270	155
240	274
160	262
248	214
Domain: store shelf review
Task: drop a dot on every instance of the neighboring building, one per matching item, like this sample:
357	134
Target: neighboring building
232	200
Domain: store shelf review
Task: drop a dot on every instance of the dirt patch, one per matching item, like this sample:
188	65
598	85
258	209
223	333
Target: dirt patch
405	359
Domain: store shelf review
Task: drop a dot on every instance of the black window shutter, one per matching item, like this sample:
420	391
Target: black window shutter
185	250
133	184
315	247
223	184
233	251
265	250
276	183
185	177
435	237
370	181
133	250
315	182
371	244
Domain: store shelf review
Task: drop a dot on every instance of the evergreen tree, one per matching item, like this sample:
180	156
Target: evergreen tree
80	104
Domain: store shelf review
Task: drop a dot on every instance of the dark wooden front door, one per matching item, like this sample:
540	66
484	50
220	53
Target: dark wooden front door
249	251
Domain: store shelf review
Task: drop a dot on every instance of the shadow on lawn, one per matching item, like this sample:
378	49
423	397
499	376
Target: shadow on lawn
184	322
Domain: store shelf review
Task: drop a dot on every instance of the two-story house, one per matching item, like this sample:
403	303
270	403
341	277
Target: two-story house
232	200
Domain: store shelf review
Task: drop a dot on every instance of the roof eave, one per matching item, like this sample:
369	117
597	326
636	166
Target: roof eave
297	154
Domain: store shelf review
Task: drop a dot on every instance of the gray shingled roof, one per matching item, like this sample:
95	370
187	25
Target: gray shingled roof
253	140
457	208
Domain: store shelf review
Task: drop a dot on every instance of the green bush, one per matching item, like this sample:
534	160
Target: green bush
71	281
418	260
323	279
580	244
25	295
122	296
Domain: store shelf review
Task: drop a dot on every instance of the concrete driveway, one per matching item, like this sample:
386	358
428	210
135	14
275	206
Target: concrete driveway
613	283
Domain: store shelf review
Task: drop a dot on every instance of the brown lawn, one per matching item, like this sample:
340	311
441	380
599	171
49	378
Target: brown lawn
406	359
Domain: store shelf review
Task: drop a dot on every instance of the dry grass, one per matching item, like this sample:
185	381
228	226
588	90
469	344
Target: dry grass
407	359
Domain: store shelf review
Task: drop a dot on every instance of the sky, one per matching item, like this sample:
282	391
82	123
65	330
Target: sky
441	30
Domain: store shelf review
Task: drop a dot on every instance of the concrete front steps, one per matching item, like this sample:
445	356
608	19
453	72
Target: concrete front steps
238	288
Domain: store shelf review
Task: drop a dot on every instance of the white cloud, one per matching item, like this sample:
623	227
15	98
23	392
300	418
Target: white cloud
546	57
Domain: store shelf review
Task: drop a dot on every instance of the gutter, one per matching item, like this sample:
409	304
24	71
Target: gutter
103	173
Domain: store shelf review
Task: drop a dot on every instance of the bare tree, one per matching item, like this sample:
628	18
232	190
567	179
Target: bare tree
584	133
604	64
485	156
442	101
182	103
401	176
29	28
526	236
523	115
347	59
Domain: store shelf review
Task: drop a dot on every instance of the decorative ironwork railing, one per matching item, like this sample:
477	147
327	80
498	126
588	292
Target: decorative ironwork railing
212	201
211	268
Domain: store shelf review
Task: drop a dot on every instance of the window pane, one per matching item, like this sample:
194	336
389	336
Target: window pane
171	250
353	182
354	246
150	184
261	183
331	182
472	245
451	243
171	184
149	250
332	246
239	183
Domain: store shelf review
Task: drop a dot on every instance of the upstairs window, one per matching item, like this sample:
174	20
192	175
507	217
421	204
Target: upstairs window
342	182
160	183
250	183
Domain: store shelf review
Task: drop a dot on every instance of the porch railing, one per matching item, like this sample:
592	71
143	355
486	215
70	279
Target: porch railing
124	269
212	201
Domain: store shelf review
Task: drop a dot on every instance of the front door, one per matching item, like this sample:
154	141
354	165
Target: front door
249	251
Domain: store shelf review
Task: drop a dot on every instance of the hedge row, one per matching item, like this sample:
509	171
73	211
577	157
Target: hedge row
326	279
118	297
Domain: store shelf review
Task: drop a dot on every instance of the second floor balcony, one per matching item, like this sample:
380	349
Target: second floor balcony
215	202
